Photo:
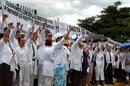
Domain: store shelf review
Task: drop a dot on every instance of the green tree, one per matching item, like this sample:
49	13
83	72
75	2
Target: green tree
114	22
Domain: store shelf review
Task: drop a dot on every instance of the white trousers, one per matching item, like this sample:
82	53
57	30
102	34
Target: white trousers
99	71
24	74
45	81
34	72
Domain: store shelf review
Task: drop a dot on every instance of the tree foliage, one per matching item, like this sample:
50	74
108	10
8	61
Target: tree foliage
114	22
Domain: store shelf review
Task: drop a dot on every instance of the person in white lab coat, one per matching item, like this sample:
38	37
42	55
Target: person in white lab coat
122	60
99	68
110	63
60	55
6	76
47	59
34	54
15	34
76	62
24	62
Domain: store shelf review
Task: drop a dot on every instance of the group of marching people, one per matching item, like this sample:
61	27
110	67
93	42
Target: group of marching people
37	55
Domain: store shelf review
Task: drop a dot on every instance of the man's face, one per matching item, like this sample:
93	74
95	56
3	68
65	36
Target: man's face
22	42
6	32
108	49
49	37
18	35
35	36
4	17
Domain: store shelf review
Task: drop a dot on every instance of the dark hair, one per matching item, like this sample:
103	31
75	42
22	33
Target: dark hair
5	29
5	15
17	31
47	33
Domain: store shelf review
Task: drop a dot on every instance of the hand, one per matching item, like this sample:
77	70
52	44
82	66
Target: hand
71	28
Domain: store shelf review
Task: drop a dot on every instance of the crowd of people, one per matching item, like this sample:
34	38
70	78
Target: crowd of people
37	58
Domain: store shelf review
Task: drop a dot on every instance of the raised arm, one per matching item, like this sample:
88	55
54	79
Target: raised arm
12	34
79	40
27	35
42	34
61	42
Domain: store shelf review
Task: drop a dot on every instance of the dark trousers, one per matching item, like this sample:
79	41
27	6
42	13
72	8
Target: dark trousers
122	73
116	74
35	82
6	76
108	74
75	78
1	35
68	83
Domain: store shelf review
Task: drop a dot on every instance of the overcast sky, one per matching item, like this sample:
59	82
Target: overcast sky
69	11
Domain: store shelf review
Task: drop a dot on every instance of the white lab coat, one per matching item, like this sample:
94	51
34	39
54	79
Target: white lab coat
77	53
122	59
46	61
30	46
46	65
5	52
59	53
34	59
99	68
24	61
108	58
127	66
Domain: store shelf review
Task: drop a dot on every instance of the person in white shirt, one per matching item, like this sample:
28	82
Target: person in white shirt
24	61
122	60
76	62
47	59
110	62
6	76
99	67
127	64
15	34
34	54
60	55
